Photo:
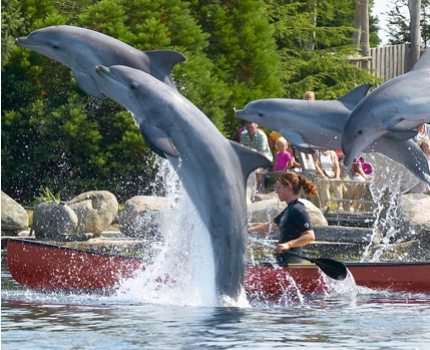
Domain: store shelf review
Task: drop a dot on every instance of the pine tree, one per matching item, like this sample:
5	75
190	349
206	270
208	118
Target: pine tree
325	69
242	47
165	24
399	23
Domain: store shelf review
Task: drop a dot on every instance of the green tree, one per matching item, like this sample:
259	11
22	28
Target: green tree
325	69
165	24
399	23
12	23
54	135
243	50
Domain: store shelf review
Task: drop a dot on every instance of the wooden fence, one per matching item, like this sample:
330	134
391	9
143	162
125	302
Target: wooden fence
389	61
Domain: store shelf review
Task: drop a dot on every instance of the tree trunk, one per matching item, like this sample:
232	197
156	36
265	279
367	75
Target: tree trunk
414	53
310	45
365	46
356	37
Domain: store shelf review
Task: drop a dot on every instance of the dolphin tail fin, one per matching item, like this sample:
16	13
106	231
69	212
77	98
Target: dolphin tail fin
423	62
249	159
352	98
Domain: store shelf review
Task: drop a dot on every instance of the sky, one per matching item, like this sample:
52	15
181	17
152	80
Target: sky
379	9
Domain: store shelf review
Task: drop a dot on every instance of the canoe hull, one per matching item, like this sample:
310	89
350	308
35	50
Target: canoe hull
40	266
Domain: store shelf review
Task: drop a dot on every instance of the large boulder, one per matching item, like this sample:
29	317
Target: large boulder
54	219
267	210
415	213
95	211
140	216
14	217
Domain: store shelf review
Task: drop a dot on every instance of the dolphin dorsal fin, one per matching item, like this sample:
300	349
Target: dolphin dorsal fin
423	62
352	98
249	159
167	58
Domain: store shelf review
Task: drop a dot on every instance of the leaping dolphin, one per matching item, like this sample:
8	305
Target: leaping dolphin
212	169
321	123
398	105
82	49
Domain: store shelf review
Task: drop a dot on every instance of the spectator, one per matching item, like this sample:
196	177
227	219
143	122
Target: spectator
256	139
423	133
425	146
327	167
361	170
309	95
273	137
423	187
283	159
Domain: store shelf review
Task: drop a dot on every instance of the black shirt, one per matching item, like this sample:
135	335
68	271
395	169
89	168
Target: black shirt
292	222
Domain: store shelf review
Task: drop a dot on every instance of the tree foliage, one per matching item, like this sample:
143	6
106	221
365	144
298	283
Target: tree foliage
325	70
55	136
399	23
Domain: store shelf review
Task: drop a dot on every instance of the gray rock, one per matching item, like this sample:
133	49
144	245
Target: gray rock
14	217
267	210
415	212
95	211
140	215
53	219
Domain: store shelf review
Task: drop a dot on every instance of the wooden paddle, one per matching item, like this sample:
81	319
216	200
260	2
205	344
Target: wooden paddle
332	268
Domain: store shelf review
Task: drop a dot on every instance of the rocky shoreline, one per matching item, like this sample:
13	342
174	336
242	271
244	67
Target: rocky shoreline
85	223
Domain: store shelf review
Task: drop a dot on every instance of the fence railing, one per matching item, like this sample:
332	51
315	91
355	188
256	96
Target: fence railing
389	61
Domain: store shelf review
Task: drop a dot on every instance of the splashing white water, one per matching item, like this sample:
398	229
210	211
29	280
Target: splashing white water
183	271
391	180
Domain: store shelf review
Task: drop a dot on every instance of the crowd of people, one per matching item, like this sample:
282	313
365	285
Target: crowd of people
294	222
328	163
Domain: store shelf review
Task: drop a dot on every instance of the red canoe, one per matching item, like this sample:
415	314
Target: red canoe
41	266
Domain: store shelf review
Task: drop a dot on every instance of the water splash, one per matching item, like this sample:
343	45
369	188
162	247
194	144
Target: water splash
182	273
390	182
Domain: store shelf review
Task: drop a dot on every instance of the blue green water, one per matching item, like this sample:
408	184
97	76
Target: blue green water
360	319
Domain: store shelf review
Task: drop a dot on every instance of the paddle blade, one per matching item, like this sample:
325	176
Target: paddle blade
332	268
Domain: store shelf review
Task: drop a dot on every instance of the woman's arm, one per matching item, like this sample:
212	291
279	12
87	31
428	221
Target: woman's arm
263	228
306	238
336	166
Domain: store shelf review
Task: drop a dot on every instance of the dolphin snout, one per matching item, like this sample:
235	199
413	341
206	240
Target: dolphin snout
242	114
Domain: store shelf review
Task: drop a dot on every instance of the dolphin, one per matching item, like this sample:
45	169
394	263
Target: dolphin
212	169
82	49
320	123
399	105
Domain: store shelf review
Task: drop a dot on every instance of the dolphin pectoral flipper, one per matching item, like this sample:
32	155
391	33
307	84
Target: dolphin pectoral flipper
403	124
159	142
352	98
407	153
297	140
87	83
401	136
249	159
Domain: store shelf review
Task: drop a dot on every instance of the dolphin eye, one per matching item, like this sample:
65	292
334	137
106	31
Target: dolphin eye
56	47
360	132
260	114
134	85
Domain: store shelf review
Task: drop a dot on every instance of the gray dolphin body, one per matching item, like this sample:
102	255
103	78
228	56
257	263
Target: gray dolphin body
82	49
321	123
398	105
212	169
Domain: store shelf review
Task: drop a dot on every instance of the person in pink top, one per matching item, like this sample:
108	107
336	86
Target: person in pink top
283	159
